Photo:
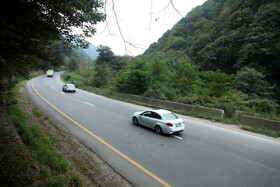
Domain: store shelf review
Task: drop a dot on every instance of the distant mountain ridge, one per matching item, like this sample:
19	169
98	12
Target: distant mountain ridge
90	53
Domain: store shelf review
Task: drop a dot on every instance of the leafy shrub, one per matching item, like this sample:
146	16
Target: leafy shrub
73	77
230	102
264	106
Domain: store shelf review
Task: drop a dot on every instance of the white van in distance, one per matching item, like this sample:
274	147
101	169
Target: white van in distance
50	73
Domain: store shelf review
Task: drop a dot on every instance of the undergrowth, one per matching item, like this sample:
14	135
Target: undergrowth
69	78
53	165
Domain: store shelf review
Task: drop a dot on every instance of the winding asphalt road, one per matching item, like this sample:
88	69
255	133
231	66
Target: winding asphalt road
203	155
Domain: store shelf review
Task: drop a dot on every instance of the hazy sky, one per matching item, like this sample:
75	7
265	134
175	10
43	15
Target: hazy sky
142	22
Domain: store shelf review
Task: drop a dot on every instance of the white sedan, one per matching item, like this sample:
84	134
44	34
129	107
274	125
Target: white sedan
68	88
162	121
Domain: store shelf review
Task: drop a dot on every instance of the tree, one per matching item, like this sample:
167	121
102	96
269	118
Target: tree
214	83
252	82
158	70
135	79
73	63
184	76
158	83
28	29
105	55
101	75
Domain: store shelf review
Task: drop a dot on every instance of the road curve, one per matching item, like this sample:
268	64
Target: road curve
203	155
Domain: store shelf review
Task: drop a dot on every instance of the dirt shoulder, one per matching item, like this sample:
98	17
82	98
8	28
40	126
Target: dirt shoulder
93	170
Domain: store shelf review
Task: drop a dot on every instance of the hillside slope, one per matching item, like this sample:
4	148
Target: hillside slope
226	35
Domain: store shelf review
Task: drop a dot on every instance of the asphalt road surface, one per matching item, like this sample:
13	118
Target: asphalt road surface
203	155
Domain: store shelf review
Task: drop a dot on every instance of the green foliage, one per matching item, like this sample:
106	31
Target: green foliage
101	76
252	82
59	181
158	70
226	35
223	54
73	77
73	63
215	84
263	106
37	112
183	76
28	30
39	144
96	76
108	58
182	81
76	180
159	90
230	102
135	79
46	171
261	130
106	55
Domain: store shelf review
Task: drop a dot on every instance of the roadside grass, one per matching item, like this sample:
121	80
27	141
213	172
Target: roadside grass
226	120
86	169
37	112
14	165
54	166
262	130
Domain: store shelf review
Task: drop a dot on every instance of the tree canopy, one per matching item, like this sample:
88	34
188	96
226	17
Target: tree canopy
29	28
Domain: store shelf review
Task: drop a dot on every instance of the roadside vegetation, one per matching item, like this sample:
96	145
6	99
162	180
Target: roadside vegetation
183	82
36	151
53	165
223	54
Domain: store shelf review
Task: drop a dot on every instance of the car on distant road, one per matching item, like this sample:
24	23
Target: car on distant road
161	121
50	73
68	88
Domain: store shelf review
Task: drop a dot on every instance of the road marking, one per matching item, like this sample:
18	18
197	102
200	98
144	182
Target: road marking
177	137
89	104
105	143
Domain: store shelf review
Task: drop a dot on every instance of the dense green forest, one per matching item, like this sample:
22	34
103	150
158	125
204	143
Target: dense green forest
223	54
227	35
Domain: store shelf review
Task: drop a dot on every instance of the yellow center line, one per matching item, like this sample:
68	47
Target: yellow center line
105	143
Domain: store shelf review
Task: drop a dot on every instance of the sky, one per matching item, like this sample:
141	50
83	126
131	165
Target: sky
142	22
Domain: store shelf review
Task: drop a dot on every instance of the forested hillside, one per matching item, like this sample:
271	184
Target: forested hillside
223	54
227	35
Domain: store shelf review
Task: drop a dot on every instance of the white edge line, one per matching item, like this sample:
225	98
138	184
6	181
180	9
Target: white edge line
89	104
177	137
